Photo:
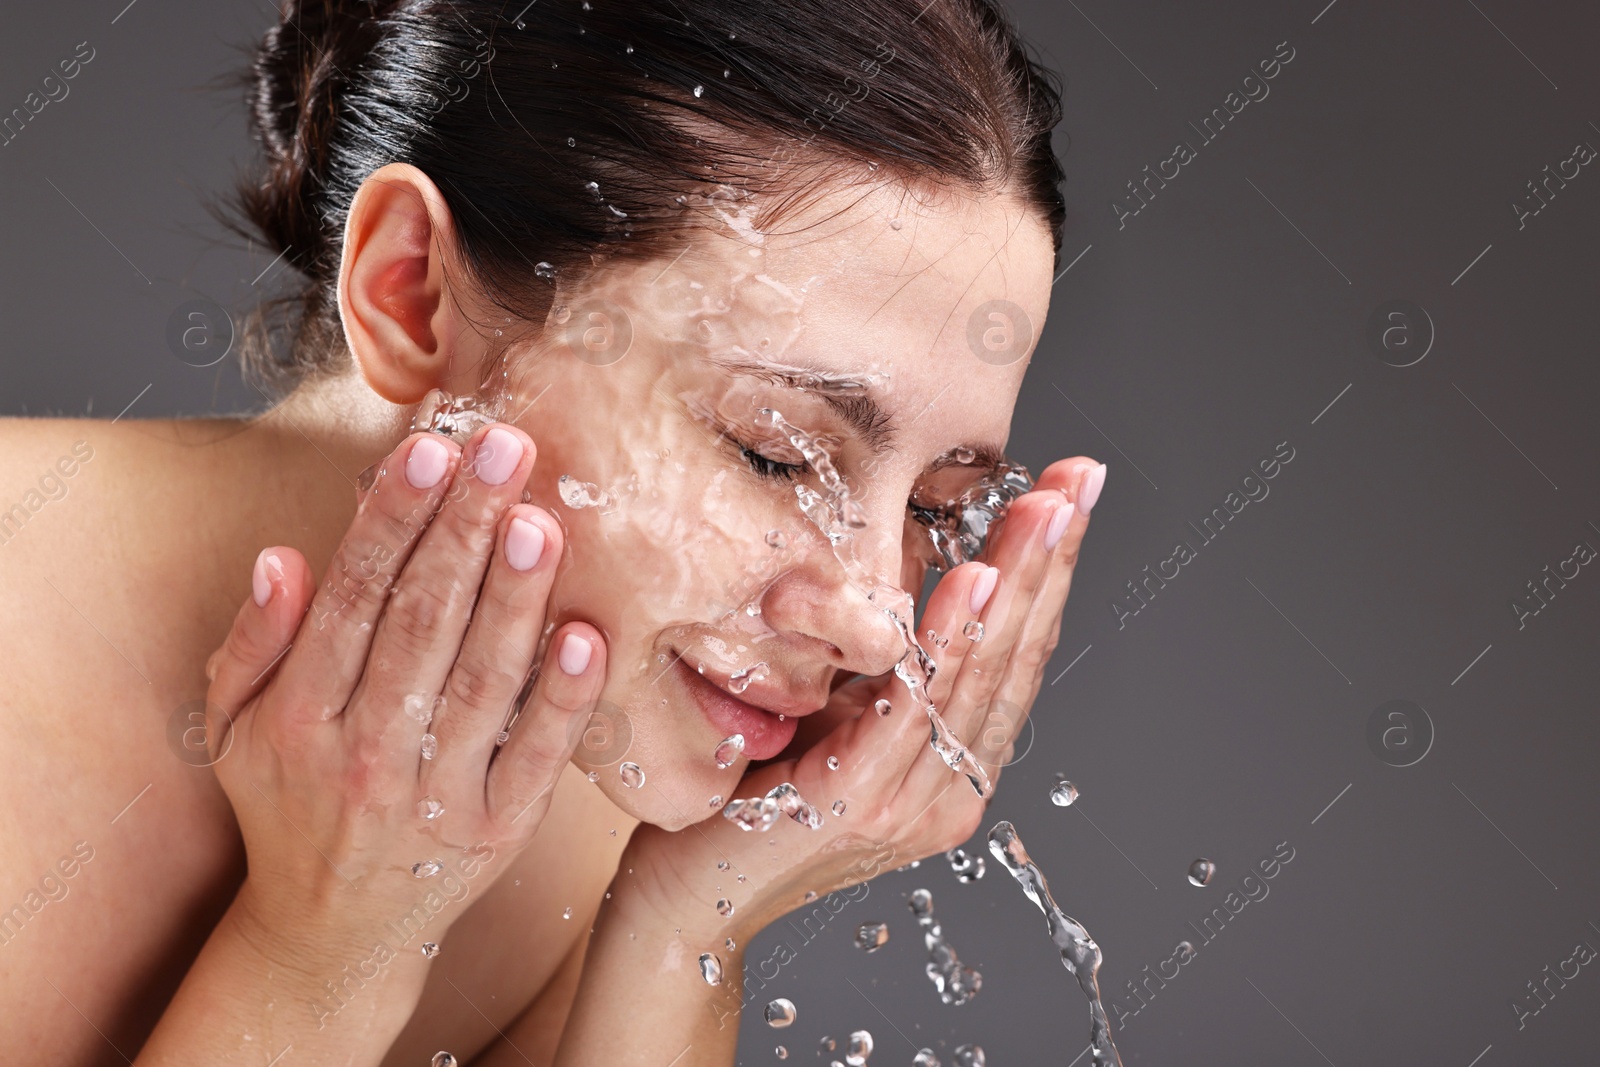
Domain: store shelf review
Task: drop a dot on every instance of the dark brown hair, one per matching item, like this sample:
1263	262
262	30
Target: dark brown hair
562	132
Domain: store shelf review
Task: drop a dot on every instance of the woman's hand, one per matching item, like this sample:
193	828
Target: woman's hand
362	757
900	800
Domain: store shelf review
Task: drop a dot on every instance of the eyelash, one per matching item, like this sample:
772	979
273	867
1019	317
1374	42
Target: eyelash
773	470
770	469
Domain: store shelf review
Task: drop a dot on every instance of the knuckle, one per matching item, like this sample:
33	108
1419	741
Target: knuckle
417	611
478	681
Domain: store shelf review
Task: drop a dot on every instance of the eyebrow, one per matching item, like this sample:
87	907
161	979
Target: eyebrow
850	398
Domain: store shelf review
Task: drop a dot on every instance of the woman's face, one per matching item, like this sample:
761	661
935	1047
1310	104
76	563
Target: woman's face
893	334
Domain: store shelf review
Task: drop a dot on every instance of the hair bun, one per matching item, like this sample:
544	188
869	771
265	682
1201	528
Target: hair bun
301	58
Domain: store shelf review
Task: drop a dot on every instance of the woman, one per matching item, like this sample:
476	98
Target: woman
750	292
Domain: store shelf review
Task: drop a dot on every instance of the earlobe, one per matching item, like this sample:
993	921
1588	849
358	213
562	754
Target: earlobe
397	318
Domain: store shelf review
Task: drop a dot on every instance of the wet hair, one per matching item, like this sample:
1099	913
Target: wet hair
563	133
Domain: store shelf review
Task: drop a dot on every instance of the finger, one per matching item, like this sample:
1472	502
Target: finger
1022	560
892	742
547	730
330	648
262	630
497	654
1021	677
419	634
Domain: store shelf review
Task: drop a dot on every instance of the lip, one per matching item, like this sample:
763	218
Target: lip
765	733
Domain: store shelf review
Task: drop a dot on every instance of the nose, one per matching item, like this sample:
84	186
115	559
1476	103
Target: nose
816	597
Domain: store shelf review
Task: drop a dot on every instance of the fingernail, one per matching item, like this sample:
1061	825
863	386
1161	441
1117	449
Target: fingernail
983	588
575	653
1057	526
267	567
1089	491
524	546
498	455
427	462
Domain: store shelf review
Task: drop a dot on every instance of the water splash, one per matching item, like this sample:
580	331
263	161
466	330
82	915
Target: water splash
1079	953
955	981
837	517
967	867
455	417
761	813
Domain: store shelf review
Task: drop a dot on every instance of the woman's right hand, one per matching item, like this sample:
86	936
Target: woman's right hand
433	605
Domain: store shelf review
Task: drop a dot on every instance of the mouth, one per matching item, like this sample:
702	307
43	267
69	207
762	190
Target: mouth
767	720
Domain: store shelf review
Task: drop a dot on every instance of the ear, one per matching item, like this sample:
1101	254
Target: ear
406	332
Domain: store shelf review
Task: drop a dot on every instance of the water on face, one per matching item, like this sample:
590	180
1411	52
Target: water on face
1079	953
629	485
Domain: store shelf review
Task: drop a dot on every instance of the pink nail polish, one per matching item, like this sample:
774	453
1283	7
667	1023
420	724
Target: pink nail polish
574	655
497	456
524	545
427	463
267	567
1089	490
1057	526
983	588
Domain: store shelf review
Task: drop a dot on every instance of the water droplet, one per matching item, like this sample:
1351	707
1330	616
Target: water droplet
430	746
544	270
828	1044
430	949
838	807
628	49
968	868
419	707
710	968
811	894
926	1058
699	90
444	1059
723	865
833	763
430	807
969	1056
572	142
757	814
593	187
753	608
776	539
741	679
426	869
860	1049
973	631
567	913
894	224
963	454
726	72
632	776
1063	793
561	313
716	801
781	1052
502	737
724	907
883	706
577	494
780	1013
593	776
729	749
870	937
1200	872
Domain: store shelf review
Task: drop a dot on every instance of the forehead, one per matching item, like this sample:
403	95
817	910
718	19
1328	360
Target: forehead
889	279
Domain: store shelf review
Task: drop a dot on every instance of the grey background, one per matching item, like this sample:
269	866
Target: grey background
1225	318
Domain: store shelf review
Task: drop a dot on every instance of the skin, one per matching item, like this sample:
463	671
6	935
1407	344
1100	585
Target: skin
322	753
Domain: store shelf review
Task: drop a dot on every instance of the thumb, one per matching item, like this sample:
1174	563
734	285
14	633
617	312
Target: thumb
280	587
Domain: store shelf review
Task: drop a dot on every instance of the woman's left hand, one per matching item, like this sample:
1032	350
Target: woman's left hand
901	801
